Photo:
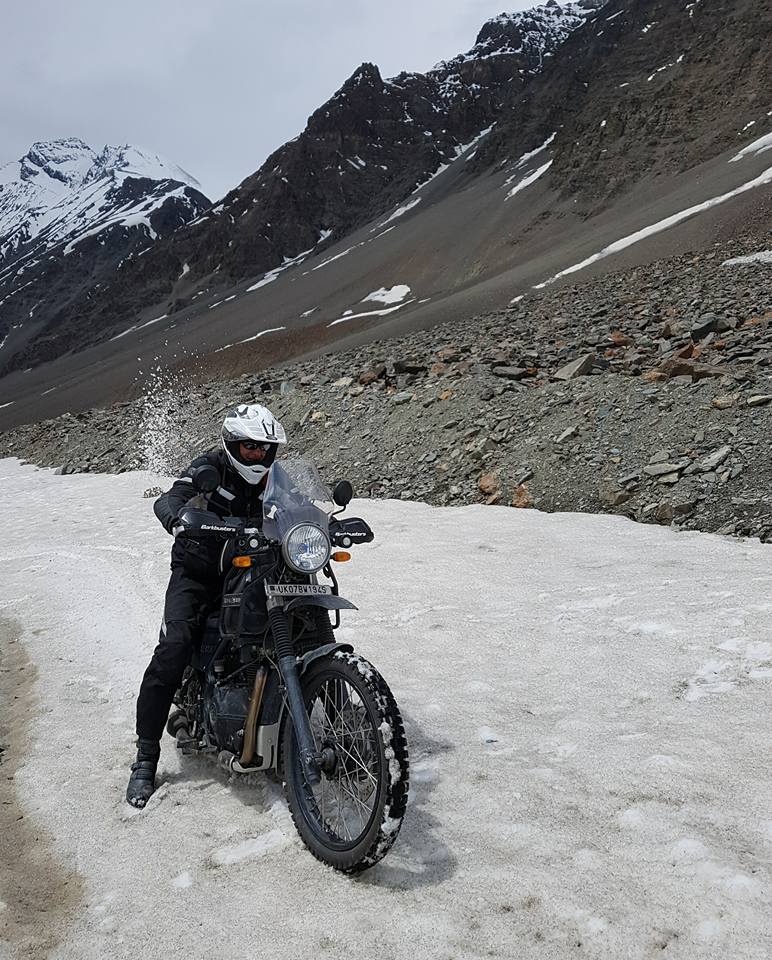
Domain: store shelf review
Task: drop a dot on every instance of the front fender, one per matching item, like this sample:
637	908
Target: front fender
322	600
319	652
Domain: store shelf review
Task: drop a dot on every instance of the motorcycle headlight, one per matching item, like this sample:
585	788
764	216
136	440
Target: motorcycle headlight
306	548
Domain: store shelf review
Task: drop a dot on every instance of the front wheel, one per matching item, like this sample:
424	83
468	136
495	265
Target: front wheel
351	818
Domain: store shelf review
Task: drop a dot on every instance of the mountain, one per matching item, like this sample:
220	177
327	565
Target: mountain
567	139
365	149
69	217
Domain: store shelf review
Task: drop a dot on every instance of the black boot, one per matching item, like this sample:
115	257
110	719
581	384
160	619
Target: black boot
142	779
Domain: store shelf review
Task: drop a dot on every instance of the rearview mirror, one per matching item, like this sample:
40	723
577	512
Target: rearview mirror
343	493
206	478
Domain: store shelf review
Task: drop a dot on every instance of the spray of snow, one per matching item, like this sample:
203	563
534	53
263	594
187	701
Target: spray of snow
162	395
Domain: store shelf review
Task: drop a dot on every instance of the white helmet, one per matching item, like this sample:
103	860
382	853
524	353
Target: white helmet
252	423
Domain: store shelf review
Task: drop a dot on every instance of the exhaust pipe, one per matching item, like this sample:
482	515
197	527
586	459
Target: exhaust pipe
250	724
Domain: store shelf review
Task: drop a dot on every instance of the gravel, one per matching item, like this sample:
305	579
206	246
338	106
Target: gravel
647	392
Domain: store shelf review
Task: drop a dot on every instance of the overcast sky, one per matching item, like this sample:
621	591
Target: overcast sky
213	85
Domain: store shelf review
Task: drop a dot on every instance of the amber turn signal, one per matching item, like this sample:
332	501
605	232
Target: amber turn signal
242	561
341	556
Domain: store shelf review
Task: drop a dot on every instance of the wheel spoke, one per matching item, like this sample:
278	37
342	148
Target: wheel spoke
340	722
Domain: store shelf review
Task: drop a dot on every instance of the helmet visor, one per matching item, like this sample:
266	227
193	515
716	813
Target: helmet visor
252	452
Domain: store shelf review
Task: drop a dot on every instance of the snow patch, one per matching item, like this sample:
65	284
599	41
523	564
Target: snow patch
527	181
619	245
764	256
371	313
758	146
391	295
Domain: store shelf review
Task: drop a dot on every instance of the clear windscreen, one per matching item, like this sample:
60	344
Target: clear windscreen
295	493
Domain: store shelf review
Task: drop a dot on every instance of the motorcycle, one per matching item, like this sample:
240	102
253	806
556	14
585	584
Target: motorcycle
270	689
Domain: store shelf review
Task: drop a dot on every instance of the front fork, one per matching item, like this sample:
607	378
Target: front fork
288	669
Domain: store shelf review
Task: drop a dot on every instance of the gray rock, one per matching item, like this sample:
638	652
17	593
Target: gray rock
510	373
577	368
567	434
662	469
713	460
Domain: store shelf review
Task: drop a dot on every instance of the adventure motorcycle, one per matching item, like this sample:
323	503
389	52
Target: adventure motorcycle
270	689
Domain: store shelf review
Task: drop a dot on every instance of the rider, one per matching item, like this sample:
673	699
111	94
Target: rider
249	442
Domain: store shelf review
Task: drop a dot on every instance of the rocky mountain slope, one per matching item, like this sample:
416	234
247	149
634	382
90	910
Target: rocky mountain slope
69	218
649	88
647	393
566	140
362	151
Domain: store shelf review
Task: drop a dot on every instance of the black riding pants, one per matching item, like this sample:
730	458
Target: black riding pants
188	601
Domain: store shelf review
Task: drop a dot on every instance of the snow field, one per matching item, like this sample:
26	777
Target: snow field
578	774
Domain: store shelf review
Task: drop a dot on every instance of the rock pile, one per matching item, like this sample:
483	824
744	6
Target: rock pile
646	393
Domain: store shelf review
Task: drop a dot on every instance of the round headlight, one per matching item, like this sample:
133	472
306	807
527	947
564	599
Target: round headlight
306	548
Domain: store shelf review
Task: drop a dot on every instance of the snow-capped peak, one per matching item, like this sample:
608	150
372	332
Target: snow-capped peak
533	33
63	188
132	161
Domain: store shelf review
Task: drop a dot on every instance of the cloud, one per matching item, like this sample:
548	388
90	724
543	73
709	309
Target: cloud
213	87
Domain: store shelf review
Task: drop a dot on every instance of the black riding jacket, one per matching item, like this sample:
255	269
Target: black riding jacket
234	497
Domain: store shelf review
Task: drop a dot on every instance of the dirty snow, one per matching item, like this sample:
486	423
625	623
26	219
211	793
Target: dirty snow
567	785
764	256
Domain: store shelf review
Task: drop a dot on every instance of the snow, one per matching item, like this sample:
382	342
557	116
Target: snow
618	245
267	278
255	336
610	809
272	275
63	191
262	333
534	153
527	181
370	313
392	295
138	326
337	256
758	146
400	211
459	151
764	256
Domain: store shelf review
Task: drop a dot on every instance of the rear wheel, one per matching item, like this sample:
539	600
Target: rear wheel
352	817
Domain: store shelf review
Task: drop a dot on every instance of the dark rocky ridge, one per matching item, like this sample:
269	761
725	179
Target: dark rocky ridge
646	393
647	88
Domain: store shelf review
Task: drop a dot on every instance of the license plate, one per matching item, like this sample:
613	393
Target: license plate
297	590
